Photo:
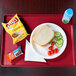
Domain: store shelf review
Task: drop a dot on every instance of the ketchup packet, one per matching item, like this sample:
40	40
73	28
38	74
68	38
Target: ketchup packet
16	29
11	56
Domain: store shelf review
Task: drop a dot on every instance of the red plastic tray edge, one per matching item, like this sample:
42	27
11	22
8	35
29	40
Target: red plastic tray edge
2	43
73	48
5	15
2	48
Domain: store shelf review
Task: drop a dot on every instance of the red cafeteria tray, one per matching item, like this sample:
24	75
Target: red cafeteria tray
30	21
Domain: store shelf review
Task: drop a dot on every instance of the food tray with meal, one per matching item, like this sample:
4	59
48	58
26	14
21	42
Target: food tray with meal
49	37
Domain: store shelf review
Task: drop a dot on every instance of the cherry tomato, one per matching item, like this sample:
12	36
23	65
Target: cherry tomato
53	43
49	53
50	48
52	51
56	50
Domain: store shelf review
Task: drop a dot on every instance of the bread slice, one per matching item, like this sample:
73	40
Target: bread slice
43	35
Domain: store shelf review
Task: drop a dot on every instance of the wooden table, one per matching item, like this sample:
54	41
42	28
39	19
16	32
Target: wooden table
37	7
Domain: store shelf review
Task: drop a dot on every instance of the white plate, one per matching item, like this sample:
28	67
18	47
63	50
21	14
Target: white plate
43	51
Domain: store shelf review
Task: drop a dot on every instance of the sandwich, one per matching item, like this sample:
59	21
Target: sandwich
43	35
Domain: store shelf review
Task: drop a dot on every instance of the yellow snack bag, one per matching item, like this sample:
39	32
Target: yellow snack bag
16	29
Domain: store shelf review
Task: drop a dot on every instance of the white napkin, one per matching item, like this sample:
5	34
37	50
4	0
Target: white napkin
30	55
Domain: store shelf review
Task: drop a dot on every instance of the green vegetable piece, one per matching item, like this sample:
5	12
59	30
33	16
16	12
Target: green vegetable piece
60	37
56	38
51	41
60	41
58	45
57	34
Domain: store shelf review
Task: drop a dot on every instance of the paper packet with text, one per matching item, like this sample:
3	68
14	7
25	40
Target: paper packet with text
16	29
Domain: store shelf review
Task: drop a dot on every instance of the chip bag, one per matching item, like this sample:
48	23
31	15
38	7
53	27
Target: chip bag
16	29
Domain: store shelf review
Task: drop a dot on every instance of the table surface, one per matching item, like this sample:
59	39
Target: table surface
36	7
